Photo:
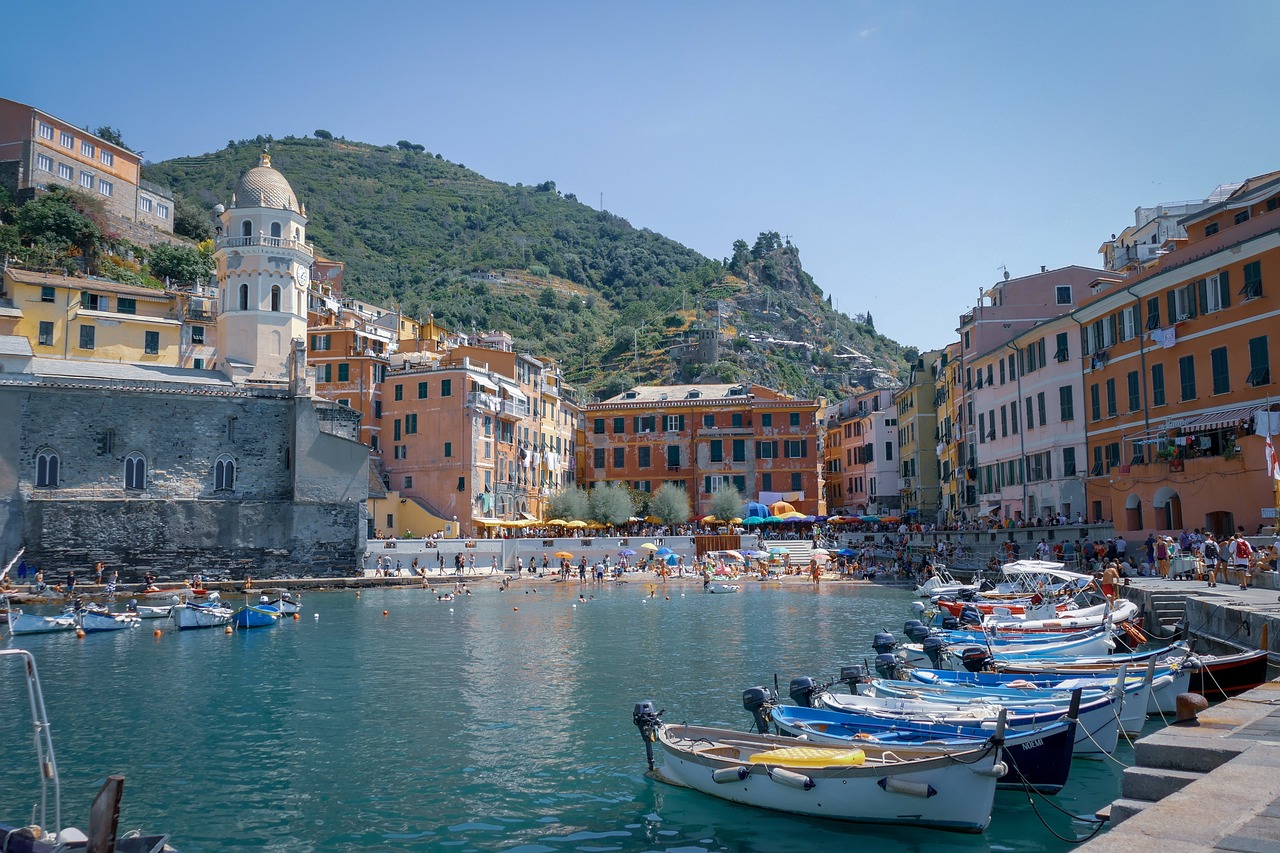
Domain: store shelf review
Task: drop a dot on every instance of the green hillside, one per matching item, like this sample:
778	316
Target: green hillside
611	302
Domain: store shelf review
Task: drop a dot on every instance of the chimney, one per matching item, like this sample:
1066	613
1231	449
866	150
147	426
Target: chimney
1043	268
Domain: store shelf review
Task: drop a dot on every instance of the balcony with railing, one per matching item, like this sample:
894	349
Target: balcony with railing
200	314
264	241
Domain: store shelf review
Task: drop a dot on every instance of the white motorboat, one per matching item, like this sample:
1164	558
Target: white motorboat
282	599
30	623
152	611
867	784
207	614
95	619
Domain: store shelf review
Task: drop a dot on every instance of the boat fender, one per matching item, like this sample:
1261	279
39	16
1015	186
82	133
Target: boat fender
729	774
794	780
895	785
995	772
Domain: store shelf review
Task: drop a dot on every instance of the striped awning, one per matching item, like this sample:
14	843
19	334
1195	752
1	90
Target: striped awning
1220	419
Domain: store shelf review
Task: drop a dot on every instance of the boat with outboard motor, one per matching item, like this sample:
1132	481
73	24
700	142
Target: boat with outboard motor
866	784
41	836
94	618
210	613
282	599
259	615
30	623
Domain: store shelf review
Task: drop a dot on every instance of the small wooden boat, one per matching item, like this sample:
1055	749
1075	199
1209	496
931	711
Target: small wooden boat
208	614
255	616
96	619
29	623
281	599
152	611
868	784
1223	676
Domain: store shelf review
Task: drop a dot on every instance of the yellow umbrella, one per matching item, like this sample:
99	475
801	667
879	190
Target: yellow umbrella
558	522
653	519
786	515
649	546
563	555
595	525
708	519
576	523
735	520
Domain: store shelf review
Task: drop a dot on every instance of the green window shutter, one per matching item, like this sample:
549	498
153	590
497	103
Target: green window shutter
1202	288
1224	289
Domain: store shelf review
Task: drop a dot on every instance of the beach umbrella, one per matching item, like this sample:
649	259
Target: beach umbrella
735	520
557	522
773	519
756	555
820	552
779	507
626	552
708	519
649	546
652	519
662	552
793	516
847	552
672	560
734	554
891	519
754	508
870	518
755	519
576	524
635	520
563	555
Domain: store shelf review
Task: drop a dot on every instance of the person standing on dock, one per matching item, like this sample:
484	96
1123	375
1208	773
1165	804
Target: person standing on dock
1241	551
1211	553
1109	578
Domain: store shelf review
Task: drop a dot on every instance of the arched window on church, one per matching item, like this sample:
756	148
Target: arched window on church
47	466
275	233
244	297
246	228
275	297
224	474
135	472
297	235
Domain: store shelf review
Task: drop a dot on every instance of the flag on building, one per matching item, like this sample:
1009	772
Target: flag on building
1273	466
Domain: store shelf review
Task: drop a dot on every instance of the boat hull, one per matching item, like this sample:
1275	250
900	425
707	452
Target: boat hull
26	623
1223	676
939	792
188	617
255	617
93	622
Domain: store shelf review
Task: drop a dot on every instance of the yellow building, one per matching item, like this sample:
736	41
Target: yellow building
92	319
949	400
917	440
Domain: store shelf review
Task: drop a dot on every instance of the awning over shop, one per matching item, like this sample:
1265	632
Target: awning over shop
488	522
530	516
516	393
485	383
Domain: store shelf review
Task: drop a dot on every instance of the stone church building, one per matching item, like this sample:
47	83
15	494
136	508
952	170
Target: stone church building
239	469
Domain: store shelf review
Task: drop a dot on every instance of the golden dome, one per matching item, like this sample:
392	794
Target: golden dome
263	186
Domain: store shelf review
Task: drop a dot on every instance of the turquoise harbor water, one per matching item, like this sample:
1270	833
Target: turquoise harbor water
460	726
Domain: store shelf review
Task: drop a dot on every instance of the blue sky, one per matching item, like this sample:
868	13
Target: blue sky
910	149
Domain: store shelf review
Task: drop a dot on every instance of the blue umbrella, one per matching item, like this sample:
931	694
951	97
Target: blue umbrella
755	555
755	519
672	560
754	508
847	552
626	552
662	552
773	519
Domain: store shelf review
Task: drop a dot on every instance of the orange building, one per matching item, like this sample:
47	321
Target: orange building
766	444
1178	362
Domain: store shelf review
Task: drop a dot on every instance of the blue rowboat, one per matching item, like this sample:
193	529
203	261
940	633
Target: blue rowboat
255	616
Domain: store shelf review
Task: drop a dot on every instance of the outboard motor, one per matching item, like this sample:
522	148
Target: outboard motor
802	690
853	675
975	658
918	633
970	615
647	721
986	585
756	700
950	623
908	625
933	648
965	594
883	643
918	608
887	666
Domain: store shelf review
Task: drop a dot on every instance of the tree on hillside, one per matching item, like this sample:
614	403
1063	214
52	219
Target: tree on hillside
611	504
60	229
671	504
190	220
570	504
767	242
180	264
741	257
323	134
726	503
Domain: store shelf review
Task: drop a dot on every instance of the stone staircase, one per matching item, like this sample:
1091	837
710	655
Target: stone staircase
1168	609
801	549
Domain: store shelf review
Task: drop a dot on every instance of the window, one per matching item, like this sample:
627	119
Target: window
66	139
1259	362
86	180
125	305
673	457
135	472
1211	229
144	204
1041	408
1111	398
395	432
709	421
794	419
162	210
1061	350
796	448
344	372
410	424
1218	366
47	294
1031	415
1013	417
766	419
1241	217
66	172
675	423
736	419
1135	399
246	227
87	149
766	482
398	394
151	343
1063	294
408	481
47	468
982	428
766	450
717	450
224	474
244	297
45	131
446	387
44	162
643	457
797	481
1095	402
107	158
597	459
1187	376
1157	385
1004	422
1002	380
1252	280
739	450
619	426
888	451
275	230
1153	313
422	390
1182	303
46	333
597	426
448	450
619	458
275	297
86	336
1068	461
1215	292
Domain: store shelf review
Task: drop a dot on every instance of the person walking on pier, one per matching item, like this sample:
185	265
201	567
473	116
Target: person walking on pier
1211	552
1241	552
